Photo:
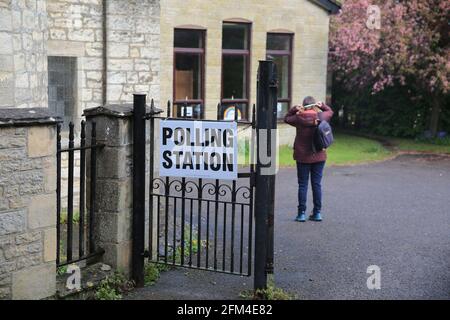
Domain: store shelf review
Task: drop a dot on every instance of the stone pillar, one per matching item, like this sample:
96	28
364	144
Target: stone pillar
114	210
114	197
27	203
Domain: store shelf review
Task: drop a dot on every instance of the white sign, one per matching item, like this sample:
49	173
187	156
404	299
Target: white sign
198	149
187	111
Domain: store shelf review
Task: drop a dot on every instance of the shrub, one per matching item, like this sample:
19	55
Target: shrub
113	287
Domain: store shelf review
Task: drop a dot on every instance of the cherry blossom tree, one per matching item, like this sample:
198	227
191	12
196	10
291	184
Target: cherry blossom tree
411	48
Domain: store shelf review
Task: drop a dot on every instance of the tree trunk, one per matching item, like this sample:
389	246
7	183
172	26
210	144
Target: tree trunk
435	113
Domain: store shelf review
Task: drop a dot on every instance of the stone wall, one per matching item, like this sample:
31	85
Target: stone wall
23	53
30	31
133	49
132	54
75	30
65	176
27	204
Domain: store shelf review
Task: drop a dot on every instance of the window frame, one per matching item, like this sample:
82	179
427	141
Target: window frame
281	53
201	52
73	61
238	52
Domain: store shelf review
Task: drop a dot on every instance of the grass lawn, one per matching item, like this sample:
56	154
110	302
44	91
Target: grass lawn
412	145
346	149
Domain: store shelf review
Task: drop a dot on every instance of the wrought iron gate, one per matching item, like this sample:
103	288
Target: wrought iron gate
75	220
202	223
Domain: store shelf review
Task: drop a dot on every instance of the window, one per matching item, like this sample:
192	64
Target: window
189	65
279	50
235	70
61	88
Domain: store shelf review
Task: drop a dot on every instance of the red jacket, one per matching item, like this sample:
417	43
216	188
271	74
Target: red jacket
305	124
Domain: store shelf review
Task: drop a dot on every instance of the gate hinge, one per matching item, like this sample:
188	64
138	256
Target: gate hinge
253	179
269	267
270	220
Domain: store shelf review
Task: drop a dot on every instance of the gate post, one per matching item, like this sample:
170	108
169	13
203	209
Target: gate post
138	232
266	123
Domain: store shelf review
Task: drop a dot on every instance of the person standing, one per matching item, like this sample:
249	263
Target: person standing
305	119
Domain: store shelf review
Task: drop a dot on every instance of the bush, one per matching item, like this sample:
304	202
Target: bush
397	111
152	271
113	287
270	293
106	292
438	141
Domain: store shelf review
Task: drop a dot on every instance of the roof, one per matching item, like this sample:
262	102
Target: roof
332	6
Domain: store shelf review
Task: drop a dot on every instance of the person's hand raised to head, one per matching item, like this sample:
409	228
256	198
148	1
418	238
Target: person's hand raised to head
300	109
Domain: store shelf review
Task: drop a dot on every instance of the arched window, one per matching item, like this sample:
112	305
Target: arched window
188	73
236	68
279	50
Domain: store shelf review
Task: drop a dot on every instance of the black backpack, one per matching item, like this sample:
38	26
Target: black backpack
323	136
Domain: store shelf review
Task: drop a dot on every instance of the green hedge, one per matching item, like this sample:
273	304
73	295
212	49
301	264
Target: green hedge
397	111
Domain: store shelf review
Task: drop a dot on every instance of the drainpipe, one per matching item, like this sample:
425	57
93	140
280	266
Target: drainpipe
105	54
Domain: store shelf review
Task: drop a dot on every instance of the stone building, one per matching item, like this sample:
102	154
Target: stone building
23	53
212	49
76	54
71	55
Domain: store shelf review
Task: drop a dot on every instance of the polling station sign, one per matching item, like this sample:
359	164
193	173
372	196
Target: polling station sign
198	149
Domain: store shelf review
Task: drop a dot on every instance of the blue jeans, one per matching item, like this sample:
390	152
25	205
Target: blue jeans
303	171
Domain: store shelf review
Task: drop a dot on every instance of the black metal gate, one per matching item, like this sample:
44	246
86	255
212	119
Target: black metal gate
202	223
75	220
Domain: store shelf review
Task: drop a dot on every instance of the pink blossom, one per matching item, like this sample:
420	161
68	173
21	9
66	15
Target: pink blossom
407	47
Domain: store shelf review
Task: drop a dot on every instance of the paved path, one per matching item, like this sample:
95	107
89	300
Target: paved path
394	214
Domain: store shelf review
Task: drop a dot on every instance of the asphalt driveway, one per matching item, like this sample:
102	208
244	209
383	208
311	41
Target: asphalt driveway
393	214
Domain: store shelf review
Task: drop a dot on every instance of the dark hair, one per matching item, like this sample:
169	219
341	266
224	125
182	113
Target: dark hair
309	100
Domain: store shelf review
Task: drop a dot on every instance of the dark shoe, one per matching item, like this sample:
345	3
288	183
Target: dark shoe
315	217
301	217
